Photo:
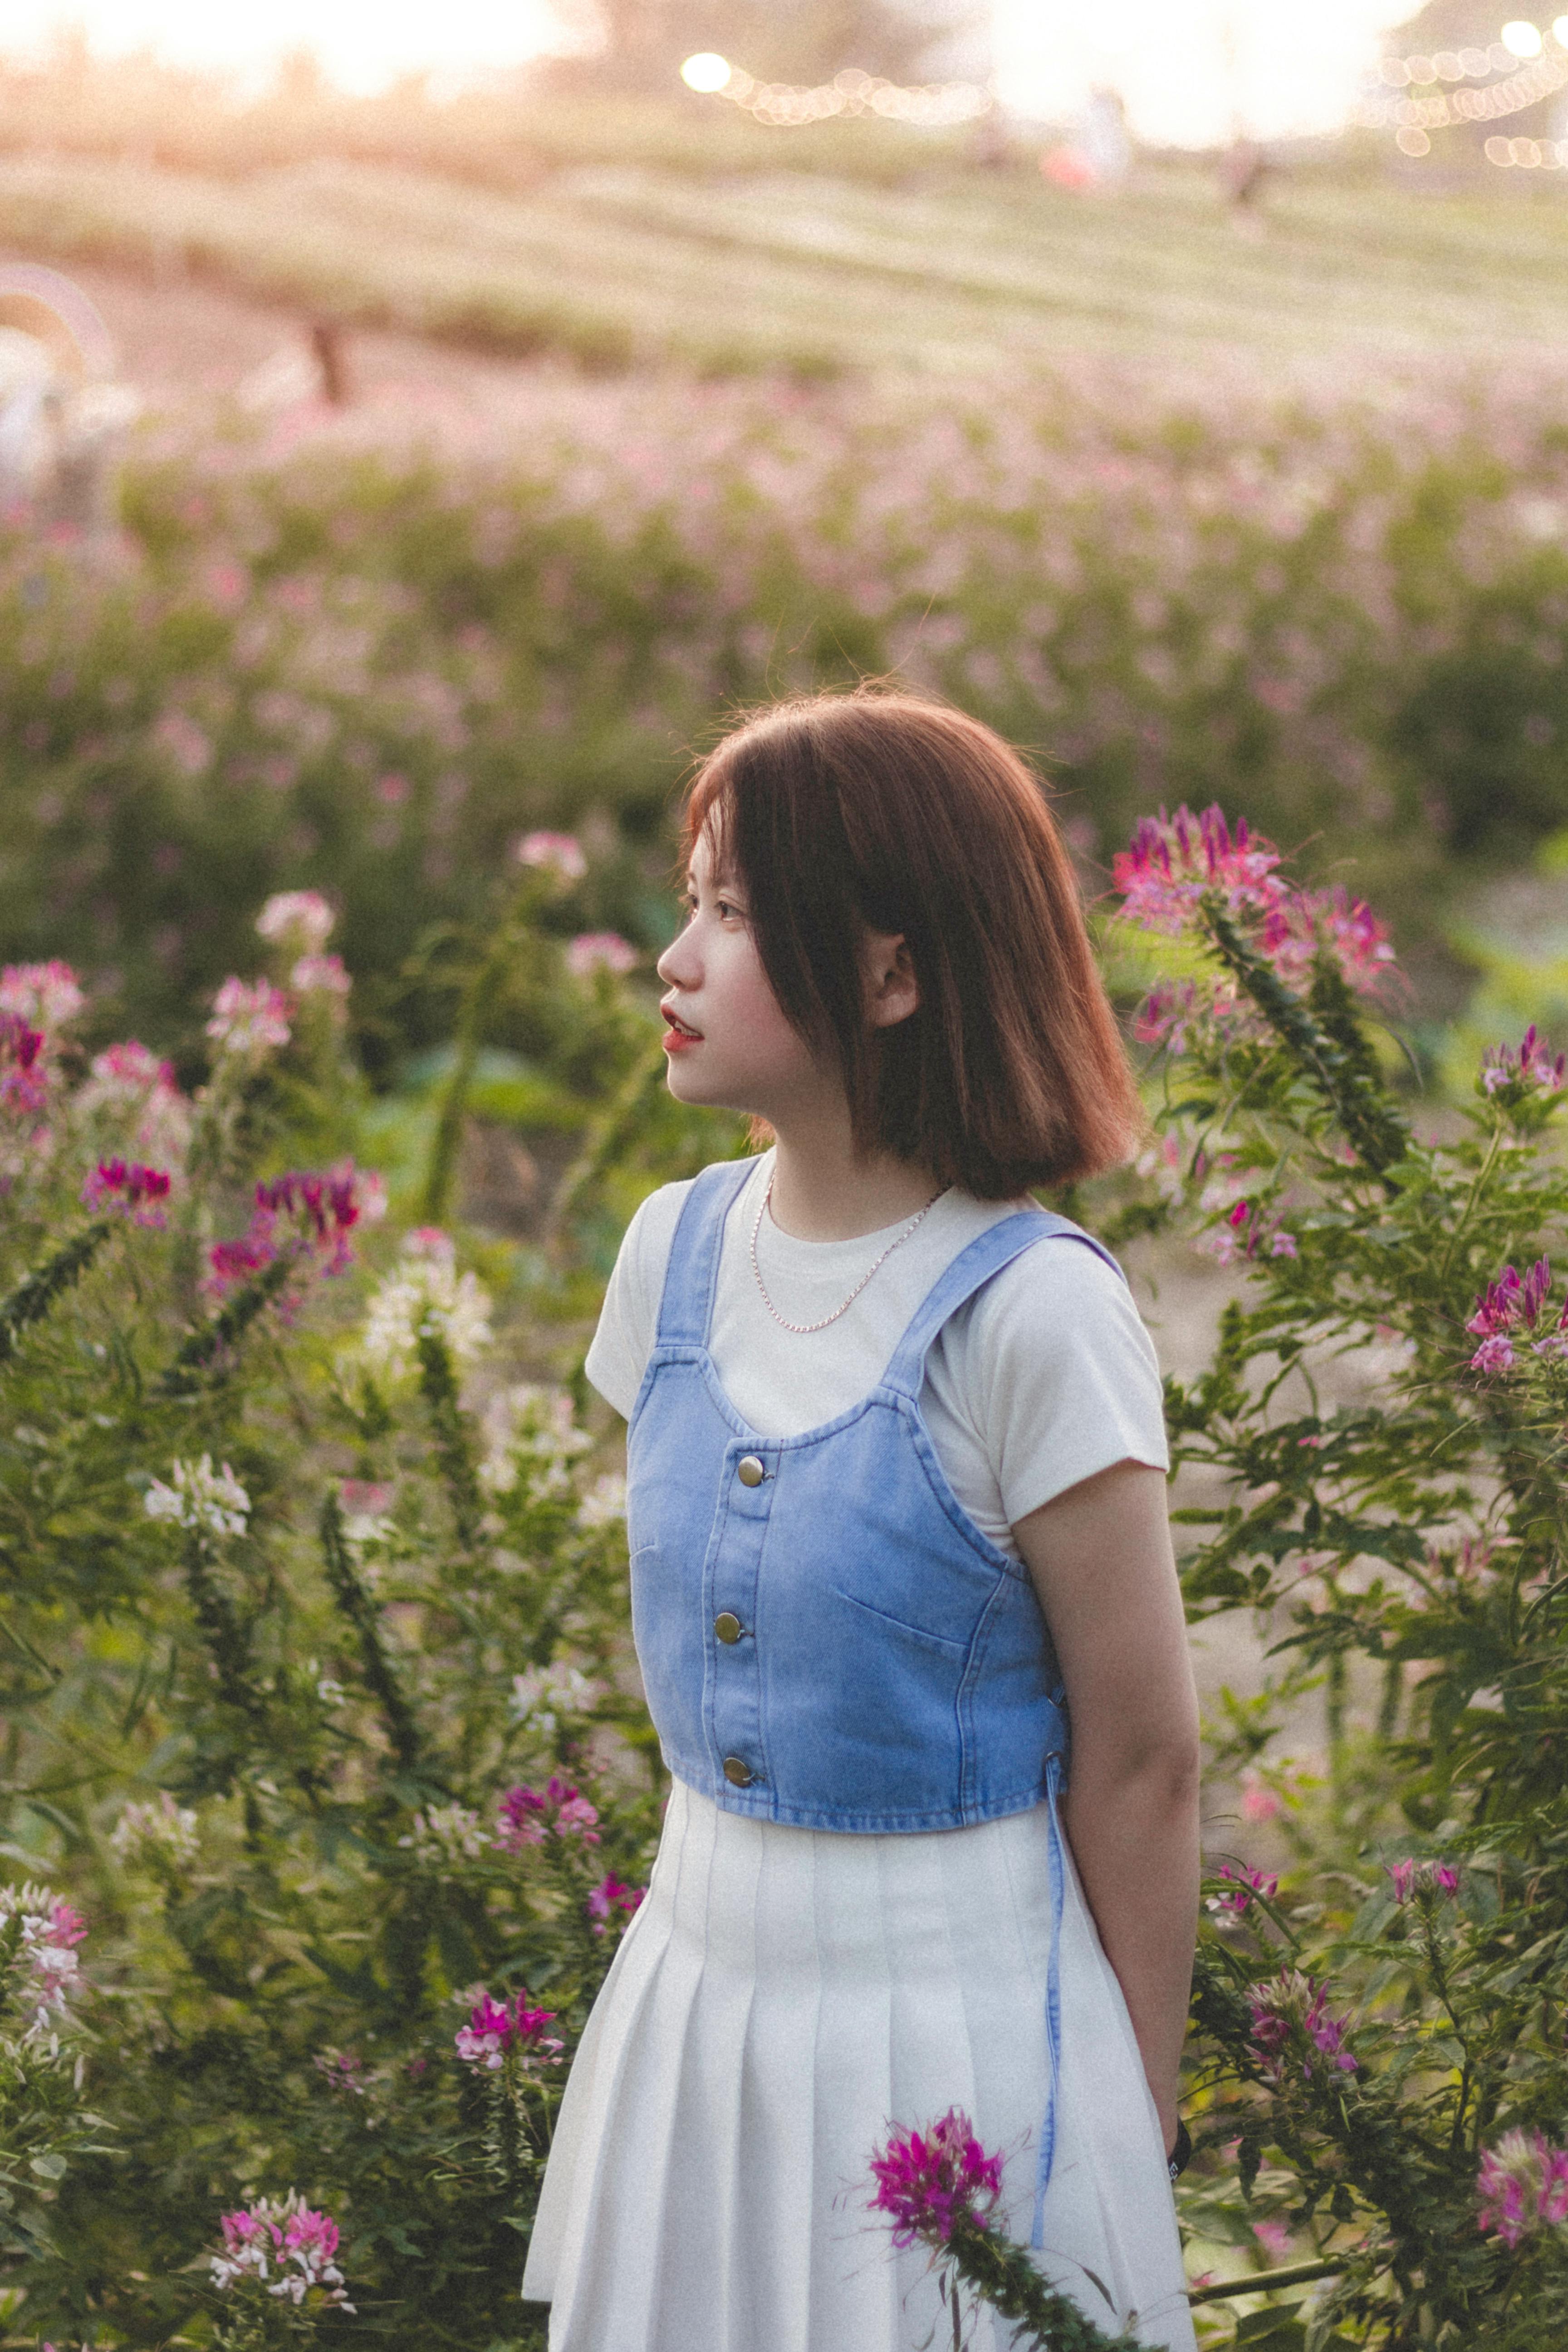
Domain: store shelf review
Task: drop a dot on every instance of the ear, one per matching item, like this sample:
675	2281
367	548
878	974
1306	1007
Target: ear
892	992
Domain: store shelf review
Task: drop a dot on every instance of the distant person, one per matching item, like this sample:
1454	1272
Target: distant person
897	1513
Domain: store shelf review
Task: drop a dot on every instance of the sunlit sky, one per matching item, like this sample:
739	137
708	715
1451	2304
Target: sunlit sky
1189	69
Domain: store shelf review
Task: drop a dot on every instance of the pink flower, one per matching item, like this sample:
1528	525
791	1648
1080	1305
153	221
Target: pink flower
1259	1802
431	1246
1292	2008
1166	1014
501	2030
1493	1355
930	2182
302	917
599	952
285	2244
126	1078
250	1019
130	1188
47	995
322	975
1247	1882
23	1074
560	854
1415	1877
527	1818
1172	863
393	789
1509	1301
1274	2237
610	1900
1533	1070
1522	2187
67	1924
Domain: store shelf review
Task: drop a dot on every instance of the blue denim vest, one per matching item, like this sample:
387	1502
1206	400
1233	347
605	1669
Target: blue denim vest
826	1636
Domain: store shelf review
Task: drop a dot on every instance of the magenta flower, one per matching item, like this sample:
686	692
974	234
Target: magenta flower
1173	862
1533	1070
1246	1883
1493	1355
528	1817
558	854
500	2032
1292	2008
67	1924
311	1215
1522	2187
24	1077
930	2182
1415	1877
599	952
610	1901
129	1189
1300	926
1166	1014
1248	1231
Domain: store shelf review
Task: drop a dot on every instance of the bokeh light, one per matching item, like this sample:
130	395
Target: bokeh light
1560	31
1523	39
707	73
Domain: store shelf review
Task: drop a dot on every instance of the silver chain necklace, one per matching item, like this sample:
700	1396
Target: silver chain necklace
783	1320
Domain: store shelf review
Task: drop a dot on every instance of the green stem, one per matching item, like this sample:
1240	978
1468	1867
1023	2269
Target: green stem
1266	2282
438	1387
221	1629
36	1292
1005	2275
473	1017
225	1328
1326	1042
349	1593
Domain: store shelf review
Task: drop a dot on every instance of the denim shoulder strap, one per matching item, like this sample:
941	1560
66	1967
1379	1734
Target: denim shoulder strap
969	1272
686	1307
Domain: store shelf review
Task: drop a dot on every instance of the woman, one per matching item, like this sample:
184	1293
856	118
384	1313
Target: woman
896	1514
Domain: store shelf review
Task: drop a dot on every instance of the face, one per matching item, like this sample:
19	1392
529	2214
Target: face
728	1043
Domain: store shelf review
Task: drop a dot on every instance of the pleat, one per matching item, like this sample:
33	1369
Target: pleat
776	2222
854	2288
579	2149
698	2225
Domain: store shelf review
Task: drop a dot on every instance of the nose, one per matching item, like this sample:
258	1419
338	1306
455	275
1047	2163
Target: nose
680	966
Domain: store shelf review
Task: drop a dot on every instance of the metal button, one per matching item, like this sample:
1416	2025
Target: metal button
728	1626
737	1775
749	1471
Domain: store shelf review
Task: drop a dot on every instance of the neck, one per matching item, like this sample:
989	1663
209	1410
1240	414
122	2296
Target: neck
826	1190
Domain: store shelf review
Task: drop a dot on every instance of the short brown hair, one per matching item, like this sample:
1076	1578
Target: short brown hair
841	811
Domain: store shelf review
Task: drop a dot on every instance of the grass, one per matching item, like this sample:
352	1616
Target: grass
955	273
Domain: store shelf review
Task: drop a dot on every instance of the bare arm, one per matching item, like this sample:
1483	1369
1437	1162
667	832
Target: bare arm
1102	1561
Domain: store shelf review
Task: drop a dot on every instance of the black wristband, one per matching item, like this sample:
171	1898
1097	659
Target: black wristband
1181	2156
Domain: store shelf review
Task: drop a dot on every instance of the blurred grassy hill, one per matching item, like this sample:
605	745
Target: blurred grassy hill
627	235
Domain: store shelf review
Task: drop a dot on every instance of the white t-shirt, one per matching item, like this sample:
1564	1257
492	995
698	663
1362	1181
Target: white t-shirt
1044	1377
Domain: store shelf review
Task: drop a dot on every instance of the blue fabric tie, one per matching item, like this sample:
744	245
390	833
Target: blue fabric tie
1058	1867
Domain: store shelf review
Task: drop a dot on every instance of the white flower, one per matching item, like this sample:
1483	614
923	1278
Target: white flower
302	914
604	1503
164	1831
44	1961
448	1833
201	1497
426	1293
530	1423
541	1698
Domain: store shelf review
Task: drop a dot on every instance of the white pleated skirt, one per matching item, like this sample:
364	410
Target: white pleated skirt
782	1996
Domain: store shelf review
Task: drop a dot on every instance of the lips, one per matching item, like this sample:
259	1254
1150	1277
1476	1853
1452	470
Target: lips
679	1028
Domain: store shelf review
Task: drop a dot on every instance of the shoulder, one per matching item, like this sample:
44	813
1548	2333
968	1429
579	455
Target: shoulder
621	1345
1060	1300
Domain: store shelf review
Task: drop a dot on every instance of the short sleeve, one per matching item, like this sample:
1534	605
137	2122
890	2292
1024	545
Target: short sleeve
1059	1375
621	1346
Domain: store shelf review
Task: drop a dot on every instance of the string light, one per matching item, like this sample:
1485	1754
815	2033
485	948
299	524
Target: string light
851	92
1413	120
